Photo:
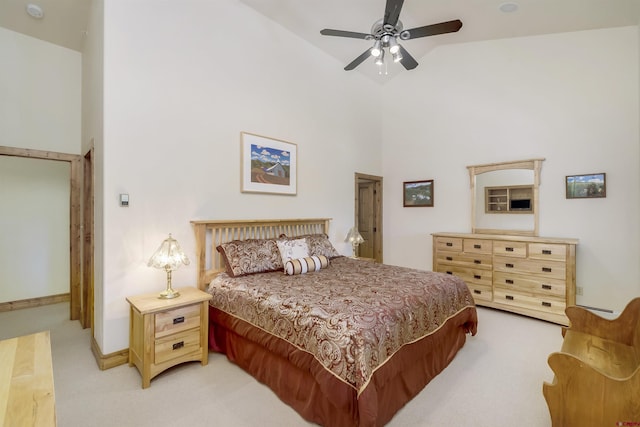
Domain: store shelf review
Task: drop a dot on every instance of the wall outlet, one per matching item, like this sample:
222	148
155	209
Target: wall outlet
579	290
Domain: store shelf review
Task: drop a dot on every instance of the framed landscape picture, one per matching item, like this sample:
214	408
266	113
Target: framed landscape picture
586	186
268	165
417	193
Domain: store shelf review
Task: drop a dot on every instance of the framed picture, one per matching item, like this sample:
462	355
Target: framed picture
417	193
586	186
268	165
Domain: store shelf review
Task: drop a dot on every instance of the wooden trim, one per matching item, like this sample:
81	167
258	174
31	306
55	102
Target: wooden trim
34	302
111	360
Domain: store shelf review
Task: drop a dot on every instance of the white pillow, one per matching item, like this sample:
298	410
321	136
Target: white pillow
292	249
305	265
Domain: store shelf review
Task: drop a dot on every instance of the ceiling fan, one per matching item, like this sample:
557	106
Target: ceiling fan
387	31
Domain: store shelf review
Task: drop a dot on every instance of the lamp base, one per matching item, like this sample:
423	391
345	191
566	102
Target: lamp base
168	294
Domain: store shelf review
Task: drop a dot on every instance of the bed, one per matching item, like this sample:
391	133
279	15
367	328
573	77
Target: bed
337	344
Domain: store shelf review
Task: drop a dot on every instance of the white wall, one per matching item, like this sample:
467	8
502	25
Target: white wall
40	103
39	109
571	98
34	222
180	84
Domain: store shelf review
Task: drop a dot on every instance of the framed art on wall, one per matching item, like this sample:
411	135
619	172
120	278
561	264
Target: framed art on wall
268	165
586	186
417	193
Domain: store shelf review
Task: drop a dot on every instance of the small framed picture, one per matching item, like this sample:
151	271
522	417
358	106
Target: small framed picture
586	186
417	193
268	165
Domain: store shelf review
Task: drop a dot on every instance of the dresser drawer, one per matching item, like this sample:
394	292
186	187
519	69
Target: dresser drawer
174	346
548	251
176	320
537	285
532	302
465	260
510	249
448	244
481	293
469	275
478	246
546	269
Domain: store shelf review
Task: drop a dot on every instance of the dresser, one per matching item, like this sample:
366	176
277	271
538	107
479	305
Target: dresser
534	276
166	332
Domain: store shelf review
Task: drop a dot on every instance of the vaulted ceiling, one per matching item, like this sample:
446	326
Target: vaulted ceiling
64	22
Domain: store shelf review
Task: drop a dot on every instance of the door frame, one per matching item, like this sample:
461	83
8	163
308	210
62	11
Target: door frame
75	182
377	201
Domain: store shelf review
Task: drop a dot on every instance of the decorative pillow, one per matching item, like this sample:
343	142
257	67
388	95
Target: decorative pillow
292	249
304	265
243	257
319	244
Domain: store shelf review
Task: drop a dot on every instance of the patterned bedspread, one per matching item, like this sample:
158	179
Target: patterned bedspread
352	316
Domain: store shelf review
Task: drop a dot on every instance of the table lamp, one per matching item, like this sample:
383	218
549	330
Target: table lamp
169	257
354	237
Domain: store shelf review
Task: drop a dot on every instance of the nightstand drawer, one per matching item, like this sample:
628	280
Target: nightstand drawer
176	320
174	346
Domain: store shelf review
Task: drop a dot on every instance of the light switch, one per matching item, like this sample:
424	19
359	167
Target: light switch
124	200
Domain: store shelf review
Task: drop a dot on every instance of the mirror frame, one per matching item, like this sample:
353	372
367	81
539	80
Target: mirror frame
531	164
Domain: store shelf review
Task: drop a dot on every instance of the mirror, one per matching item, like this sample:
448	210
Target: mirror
504	197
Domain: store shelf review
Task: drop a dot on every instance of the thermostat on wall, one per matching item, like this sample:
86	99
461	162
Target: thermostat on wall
124	200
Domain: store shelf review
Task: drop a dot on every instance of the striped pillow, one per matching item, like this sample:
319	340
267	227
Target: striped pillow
304	265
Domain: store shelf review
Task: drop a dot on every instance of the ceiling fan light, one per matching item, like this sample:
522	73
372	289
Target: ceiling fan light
376	50
393	45
397	57
380	59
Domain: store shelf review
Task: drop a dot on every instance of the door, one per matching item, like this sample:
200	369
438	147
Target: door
368	215
87	242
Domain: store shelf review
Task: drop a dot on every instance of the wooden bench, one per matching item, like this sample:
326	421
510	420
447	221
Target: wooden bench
597	371
26	381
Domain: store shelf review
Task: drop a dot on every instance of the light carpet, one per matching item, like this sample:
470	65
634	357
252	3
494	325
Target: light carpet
495	380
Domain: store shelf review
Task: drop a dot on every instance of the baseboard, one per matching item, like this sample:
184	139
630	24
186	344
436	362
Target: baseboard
108	361
34	302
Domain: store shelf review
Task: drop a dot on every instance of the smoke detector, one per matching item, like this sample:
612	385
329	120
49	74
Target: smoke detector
508	7
35	11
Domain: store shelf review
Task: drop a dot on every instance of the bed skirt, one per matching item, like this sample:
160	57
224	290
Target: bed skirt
300	381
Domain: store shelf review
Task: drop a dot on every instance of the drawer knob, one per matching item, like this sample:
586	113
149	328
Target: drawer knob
509	297
546	304
177	320
546	269
477	246
178	345
546	252
508	249
477	276
448	272
449	258
449	244
509	265
509	281
475	291
547	287
477	261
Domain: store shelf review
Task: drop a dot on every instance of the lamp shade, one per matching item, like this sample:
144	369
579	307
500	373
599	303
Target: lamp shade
354	237
168	256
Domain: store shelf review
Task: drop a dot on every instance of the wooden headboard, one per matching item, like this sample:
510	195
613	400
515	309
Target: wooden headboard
210	234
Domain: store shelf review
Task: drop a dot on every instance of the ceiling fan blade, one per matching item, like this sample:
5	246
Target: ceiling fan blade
392	12
340	33
432	30
407	60
359	60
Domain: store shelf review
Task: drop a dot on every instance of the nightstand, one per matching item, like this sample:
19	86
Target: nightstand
166	332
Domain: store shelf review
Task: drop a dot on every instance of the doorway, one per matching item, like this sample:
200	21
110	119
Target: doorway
75	178
368	215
